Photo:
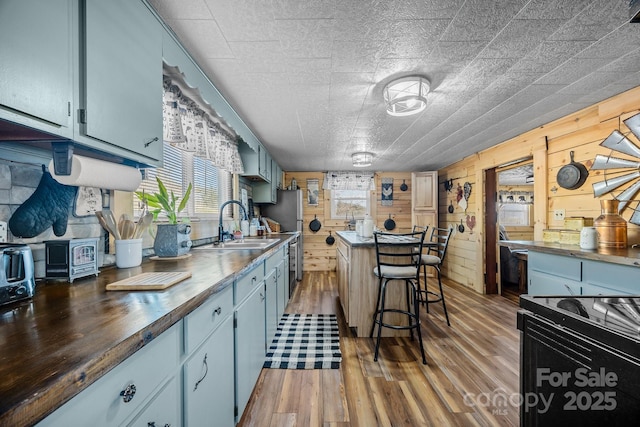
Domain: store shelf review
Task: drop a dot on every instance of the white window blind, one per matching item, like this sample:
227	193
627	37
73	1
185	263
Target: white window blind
211	185
348	204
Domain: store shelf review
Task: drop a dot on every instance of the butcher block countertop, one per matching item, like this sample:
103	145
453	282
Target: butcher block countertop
69	335
627	256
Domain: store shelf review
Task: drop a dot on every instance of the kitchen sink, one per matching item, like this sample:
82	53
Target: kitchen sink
230	245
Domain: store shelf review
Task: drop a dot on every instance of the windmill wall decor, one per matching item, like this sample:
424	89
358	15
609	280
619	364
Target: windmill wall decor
621	174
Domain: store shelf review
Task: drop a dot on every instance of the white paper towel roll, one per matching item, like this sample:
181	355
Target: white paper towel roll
88	172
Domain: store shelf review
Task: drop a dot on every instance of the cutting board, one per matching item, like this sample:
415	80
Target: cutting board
149	281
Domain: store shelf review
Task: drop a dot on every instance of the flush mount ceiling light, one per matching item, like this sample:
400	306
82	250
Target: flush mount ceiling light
362	159
406	96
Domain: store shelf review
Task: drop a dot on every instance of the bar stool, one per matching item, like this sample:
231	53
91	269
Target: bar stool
434	258
398	259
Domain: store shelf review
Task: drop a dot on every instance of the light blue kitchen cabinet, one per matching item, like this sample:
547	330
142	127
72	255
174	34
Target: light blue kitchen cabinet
267	192
283	292
271	289
209	381
254	162
249	345
552	274
163	410
127	390
36	84
121	79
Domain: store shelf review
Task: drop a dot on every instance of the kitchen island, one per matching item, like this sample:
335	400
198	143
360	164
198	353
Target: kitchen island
68	336
562	269
358	286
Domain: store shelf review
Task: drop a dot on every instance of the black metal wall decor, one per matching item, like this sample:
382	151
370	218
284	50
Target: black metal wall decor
387	192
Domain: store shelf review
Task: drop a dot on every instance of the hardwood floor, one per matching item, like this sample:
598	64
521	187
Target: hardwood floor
472	369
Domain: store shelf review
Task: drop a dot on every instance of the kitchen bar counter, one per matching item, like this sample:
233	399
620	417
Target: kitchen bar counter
69	335
358	286
628	256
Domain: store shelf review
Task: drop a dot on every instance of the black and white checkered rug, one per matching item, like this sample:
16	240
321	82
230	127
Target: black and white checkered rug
305	341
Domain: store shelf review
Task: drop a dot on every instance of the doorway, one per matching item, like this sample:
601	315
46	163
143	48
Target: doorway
513	207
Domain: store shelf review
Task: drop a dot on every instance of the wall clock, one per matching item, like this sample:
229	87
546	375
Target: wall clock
621	175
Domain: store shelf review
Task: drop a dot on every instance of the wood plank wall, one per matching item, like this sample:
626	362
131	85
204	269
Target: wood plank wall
318	255
549	145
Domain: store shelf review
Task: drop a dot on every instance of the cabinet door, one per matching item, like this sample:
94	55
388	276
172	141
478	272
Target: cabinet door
271	291
425	218
342	267
123	76
164	409
35	67
424	190
208	381
546	284
283	294
250	346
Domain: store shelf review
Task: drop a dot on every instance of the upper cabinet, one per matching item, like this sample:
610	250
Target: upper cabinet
86	70
424	198
36	84
256	163
122	77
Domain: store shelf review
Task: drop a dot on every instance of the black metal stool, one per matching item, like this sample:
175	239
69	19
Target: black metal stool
434	258
398	258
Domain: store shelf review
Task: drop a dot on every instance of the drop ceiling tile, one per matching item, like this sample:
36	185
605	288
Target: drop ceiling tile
187	9
246	20
595	21
554	9
308	9
481	19
519	37
191	31
549	55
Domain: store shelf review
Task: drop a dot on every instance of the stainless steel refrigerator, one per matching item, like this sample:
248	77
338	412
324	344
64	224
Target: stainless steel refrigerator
288	213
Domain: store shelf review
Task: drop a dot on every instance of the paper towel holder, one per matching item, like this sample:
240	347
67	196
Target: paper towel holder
62	156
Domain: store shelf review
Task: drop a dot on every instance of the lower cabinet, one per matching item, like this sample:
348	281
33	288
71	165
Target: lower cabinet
271	292
129	389
208	381
250	345
551	274
342	269
164	409
282	283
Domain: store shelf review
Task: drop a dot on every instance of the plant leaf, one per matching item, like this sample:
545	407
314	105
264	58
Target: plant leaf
185	198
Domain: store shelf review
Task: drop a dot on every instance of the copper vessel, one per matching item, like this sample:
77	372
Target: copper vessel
612	228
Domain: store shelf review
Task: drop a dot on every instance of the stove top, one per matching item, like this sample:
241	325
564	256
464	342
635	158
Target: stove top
617	313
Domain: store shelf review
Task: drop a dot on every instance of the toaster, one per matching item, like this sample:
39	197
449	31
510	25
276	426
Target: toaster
17	279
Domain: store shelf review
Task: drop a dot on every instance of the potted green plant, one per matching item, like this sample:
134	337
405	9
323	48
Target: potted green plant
171	239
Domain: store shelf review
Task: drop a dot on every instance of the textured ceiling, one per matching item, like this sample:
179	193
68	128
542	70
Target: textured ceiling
307	75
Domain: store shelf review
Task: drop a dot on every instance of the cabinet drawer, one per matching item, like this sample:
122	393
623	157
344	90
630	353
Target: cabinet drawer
344	248
273	260
620	279
245	284
203	320
588	289
546	284
570	268
164	409
101	403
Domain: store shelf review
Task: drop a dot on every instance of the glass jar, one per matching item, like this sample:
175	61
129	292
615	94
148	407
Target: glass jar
612	228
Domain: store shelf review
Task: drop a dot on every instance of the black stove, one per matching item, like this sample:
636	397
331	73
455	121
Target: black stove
581	353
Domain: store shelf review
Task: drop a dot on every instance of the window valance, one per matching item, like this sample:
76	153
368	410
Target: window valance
190	128
349	180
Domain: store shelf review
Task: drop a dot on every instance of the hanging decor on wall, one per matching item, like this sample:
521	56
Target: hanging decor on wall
313	192
387	192
88	201
619	173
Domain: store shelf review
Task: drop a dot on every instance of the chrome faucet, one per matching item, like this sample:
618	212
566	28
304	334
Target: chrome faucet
221	233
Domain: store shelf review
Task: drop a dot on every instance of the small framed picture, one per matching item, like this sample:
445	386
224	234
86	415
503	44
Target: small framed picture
312	192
